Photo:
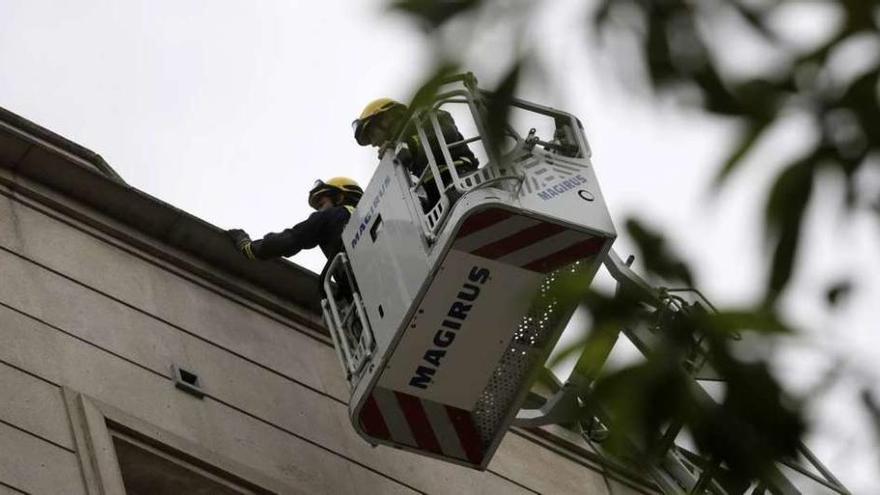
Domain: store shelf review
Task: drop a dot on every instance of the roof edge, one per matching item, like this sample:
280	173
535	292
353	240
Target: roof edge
56	163
43	134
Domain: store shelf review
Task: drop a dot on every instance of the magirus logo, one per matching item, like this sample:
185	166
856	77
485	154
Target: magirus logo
545	176
562	187
452	323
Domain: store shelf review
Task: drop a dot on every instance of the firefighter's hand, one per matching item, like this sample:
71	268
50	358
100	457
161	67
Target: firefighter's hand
404	156
242	242
389	146
239	237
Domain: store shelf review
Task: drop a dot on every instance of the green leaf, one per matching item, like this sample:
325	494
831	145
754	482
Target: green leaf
784	214
755	19
838	292
656	256
498	107
731	322
717	98
434	13
609	314
642	399
873	409
859	15
601	15
426	93
746	142
761	98
657	52
754	427
860	98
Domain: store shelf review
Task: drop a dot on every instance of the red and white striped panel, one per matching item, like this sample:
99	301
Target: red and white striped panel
523	241
422	424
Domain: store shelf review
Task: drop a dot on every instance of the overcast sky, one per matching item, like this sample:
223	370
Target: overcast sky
230	110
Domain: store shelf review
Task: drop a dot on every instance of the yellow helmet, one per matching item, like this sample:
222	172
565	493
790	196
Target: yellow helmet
373	108
349	189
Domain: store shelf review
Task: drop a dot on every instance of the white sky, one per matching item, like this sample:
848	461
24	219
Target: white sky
230	110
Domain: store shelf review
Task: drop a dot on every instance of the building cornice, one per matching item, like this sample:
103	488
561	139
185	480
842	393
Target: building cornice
40	156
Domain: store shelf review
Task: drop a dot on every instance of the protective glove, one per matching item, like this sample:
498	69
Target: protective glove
404	156
242	241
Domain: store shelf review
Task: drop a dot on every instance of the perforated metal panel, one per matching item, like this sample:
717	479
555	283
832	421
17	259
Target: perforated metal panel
543	320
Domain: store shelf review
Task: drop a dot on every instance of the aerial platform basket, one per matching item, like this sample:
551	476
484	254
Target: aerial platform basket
453	306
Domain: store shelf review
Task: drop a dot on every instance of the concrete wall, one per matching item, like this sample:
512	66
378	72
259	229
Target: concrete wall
90	325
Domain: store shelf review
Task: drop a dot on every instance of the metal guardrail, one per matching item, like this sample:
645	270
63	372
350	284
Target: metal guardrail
353	351
495	171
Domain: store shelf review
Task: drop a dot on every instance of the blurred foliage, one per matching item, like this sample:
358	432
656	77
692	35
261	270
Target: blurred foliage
427	92
838	292
682	53
647	404
676	44
873	409
660	261
499	107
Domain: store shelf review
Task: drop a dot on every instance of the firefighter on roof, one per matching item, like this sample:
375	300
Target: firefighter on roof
334	201
378	125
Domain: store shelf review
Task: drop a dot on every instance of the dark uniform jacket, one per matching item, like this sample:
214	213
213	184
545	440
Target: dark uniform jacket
417	159
323	228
